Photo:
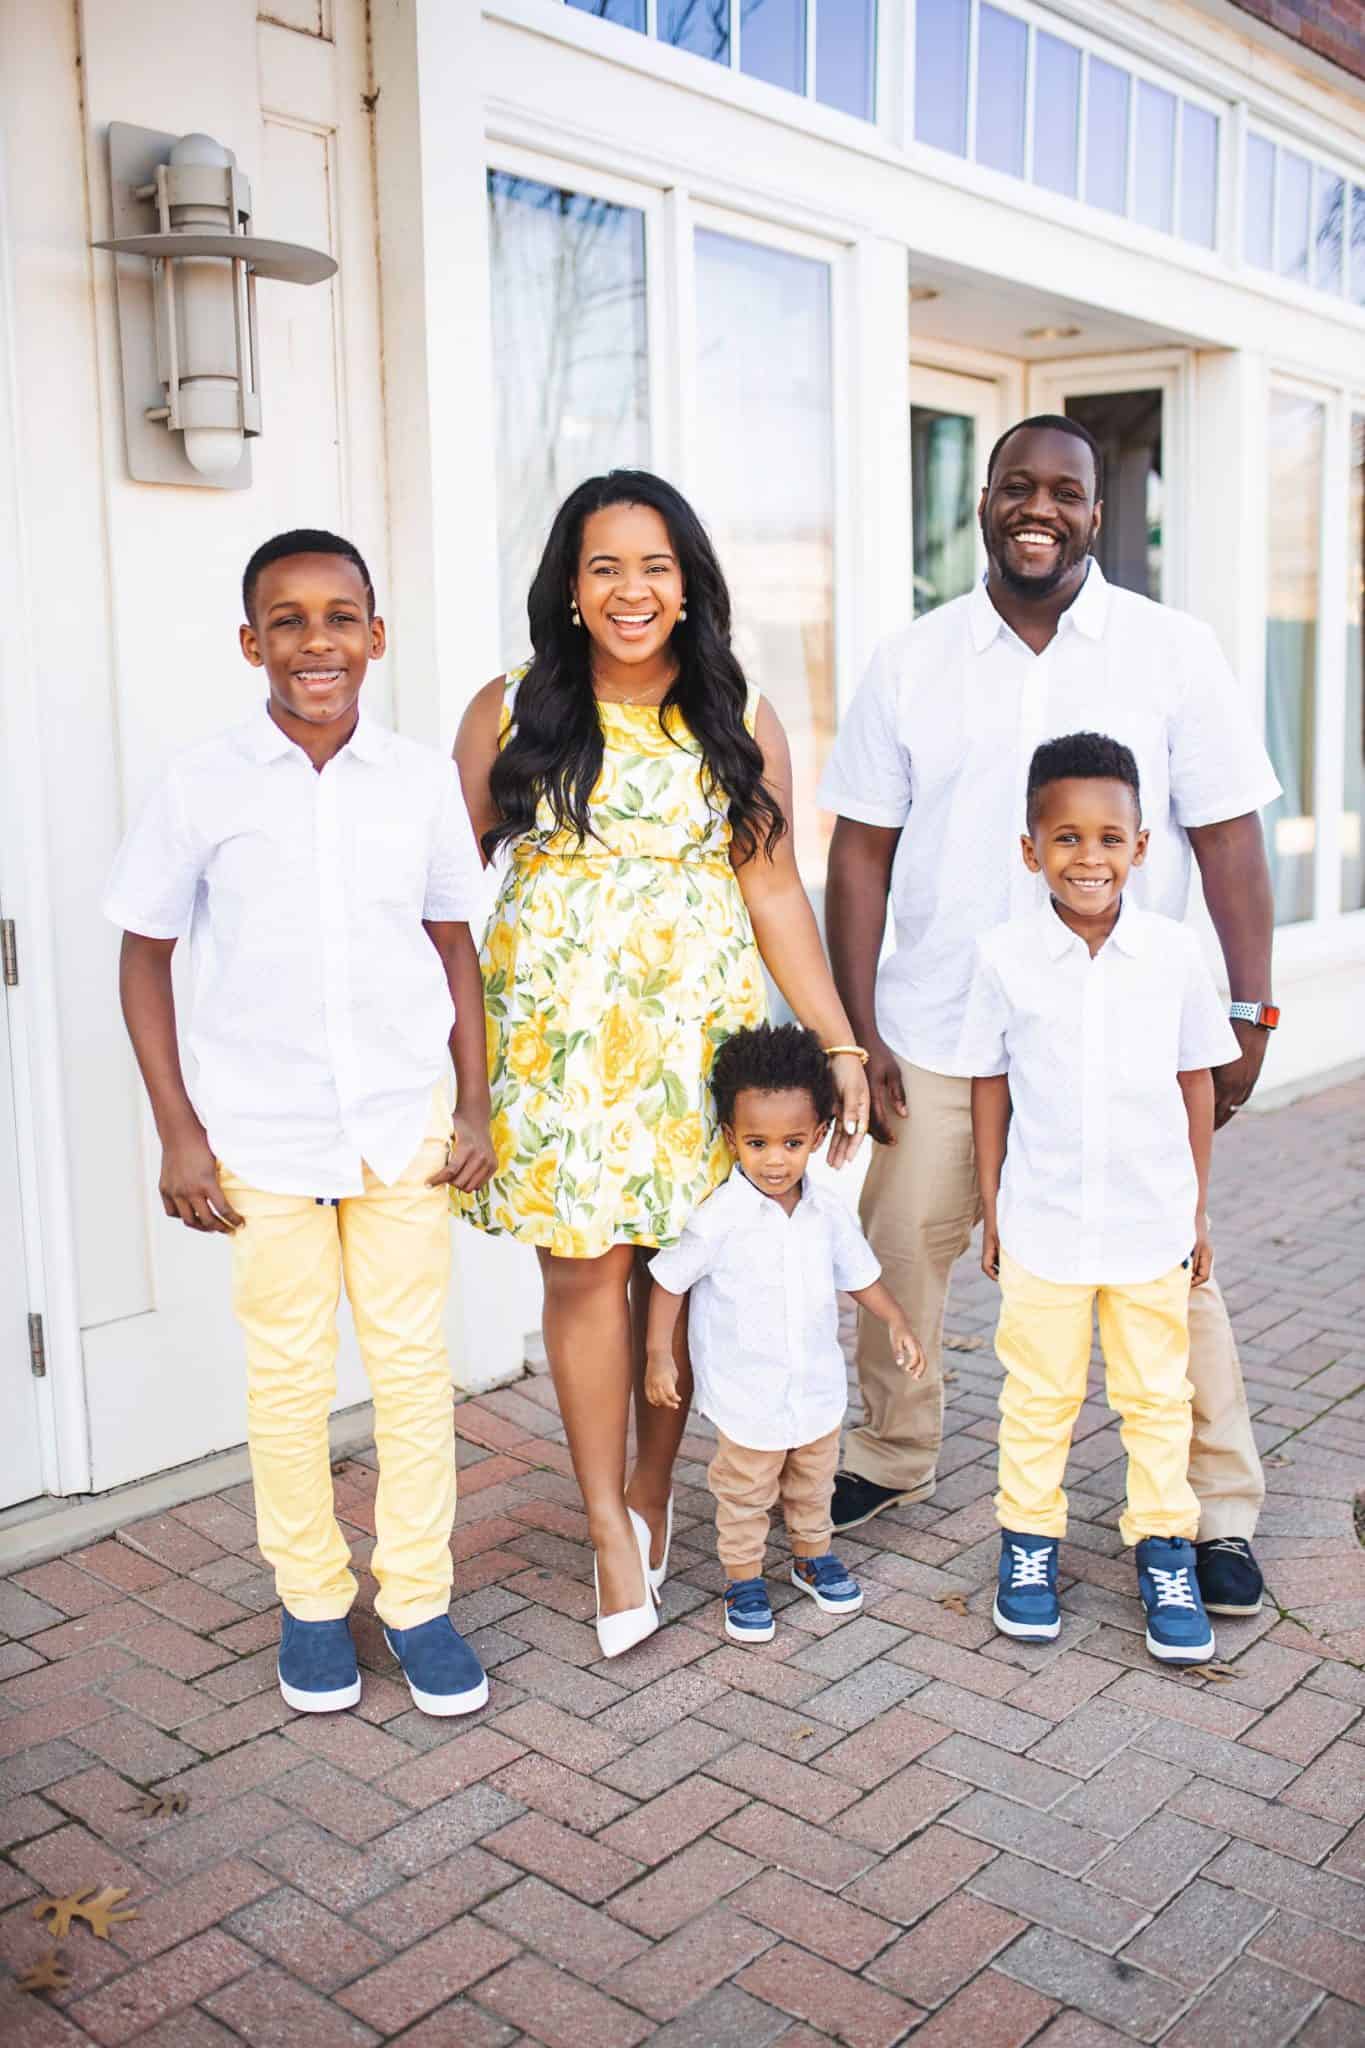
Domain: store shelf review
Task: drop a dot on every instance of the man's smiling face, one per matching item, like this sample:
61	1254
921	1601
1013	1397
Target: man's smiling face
1039	512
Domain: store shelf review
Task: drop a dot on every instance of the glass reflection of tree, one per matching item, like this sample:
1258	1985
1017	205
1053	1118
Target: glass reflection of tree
1330	234
702	26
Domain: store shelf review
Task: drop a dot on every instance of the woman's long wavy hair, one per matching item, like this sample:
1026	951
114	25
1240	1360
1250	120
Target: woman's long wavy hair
554	749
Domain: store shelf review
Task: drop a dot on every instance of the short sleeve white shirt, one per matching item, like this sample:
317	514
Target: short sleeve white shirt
320	1014
763	1321
1098	1185
937	744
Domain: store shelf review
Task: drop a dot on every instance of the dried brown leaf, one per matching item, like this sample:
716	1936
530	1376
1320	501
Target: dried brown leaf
1216	1674
51	1974
157	1805
952	1603
974	1343
95	1908
1277	1459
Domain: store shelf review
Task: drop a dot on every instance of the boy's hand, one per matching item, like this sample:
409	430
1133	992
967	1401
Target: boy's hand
470	1158
1201	1258
661	1380
906	1348
990	1250
189	1185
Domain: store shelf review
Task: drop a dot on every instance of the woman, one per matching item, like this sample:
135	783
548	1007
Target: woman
643	793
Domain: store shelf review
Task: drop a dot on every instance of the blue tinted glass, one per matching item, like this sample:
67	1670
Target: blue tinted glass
1198	175
941	74
1291	247
702	26
1001	61
1056	114
629	13
1358	244
1258	225
772	42
1329	224
1155	198
1106	136
846	56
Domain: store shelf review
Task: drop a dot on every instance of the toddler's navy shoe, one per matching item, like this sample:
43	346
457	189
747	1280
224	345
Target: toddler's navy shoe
831	1585
444	1676
1178	1630
1026	1605
1229	1576
318	1671
748	1617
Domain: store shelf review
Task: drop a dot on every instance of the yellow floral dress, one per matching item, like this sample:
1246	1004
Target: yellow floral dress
612	971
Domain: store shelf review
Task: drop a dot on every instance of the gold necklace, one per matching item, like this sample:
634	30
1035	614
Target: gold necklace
641	697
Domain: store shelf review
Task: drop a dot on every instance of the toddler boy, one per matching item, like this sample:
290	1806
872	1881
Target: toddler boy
1090	1032
762	1259
325	872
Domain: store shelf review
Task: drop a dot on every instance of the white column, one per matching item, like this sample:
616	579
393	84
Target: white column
1225	501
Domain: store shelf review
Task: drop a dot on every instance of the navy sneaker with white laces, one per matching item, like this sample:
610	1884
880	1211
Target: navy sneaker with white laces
1026	1605
317	1667
748	1617
444	1676
830	1584
1178	1629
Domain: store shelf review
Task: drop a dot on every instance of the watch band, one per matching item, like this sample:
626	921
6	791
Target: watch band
1267	1015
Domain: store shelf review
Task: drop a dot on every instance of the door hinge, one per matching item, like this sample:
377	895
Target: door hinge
37	1348
9	952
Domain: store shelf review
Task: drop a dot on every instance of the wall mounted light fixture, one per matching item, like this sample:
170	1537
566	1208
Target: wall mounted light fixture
186	270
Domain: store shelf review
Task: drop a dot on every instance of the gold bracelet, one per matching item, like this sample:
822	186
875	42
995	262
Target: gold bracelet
858	1052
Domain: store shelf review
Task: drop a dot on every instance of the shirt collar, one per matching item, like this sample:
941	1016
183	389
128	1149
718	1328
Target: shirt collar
1058	938
1087	613
264	740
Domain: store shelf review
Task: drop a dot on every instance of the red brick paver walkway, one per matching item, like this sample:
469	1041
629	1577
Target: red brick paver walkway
901	1825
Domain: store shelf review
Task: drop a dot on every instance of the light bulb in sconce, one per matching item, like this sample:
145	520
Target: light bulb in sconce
214	451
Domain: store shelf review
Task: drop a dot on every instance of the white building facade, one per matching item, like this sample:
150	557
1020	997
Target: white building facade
806	258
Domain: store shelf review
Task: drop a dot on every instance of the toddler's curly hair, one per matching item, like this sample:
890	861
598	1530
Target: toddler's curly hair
770	1058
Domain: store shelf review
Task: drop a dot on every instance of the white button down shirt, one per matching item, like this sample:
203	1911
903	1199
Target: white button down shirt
320	1014
763	1322
939	738
1099	1185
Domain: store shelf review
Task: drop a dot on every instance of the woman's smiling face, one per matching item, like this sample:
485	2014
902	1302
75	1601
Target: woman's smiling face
629	586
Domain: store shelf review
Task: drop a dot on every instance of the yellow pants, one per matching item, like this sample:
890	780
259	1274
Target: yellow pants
392	1245
1043	1342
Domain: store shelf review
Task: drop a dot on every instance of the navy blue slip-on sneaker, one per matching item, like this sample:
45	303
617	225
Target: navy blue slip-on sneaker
1229	1577
748	1617
1026	1605
830	1584
318	1671
1178	1630
444	1676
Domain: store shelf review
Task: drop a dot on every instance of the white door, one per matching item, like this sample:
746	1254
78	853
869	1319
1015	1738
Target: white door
20	1457
954	421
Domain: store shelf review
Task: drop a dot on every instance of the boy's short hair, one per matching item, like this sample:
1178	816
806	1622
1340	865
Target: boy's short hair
770	1058
1080	757
302	540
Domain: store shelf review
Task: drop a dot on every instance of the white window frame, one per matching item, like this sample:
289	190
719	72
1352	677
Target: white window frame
1353	180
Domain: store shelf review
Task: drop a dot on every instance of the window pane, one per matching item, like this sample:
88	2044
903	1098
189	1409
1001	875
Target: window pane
772	42
568	279
1127	425
1106	136
630	13
943	495
1291	253
702	26
1198	175
1358	244
941	74
1002	56
846	56
1258	231
1156	157
1291	645
1353	808
765	465
1056	114
1329	223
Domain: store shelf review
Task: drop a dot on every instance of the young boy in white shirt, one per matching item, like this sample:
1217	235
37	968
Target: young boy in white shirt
762	1260
324	871
1090	1031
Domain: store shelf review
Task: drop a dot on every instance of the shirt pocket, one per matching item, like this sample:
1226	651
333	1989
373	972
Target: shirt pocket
388	855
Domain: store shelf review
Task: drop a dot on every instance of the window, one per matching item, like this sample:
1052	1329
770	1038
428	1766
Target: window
1353	806
1294	535
568	288
1303	219
1127	426
823	49
993	86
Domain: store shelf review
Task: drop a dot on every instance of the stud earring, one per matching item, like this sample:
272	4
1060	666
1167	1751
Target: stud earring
575	615
682	613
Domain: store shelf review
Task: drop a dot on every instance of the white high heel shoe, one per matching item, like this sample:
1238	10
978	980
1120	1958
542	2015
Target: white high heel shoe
659	1572
617	1633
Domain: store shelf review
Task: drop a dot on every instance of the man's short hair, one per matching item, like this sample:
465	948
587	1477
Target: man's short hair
302	540
772	1058
1080	757
1056	423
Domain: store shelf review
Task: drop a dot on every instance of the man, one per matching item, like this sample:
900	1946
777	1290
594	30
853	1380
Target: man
928	780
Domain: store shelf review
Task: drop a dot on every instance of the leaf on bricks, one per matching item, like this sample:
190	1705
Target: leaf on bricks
954	1603
1276	1459
948	1376
51	1974
95	1908
157	1805
1216	1674
963	1343
340	1465
804	1734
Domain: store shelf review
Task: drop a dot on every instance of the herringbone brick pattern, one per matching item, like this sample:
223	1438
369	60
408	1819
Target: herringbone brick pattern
902	1825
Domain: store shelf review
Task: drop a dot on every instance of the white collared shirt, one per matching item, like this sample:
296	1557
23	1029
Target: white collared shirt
938	741
763	1322
320	1015
1099	1185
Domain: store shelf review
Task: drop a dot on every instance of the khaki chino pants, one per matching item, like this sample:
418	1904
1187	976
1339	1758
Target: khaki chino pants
919	1206
747	1485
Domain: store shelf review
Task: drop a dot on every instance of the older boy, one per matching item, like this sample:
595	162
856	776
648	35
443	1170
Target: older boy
324	871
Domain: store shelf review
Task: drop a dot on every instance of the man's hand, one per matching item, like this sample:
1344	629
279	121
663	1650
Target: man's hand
470	1158
1201	1258
887	1090
661	1380
189	1186
990	1249
1232	1084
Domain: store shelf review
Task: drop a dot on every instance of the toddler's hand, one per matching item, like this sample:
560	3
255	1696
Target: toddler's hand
905	1346
661	1382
